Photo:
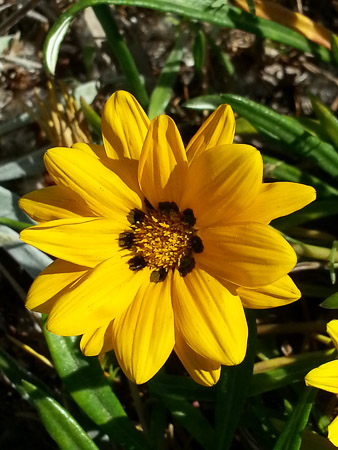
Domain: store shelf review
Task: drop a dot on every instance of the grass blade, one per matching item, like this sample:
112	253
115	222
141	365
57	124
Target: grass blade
161	95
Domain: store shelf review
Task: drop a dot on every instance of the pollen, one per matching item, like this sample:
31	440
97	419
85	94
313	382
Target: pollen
162	239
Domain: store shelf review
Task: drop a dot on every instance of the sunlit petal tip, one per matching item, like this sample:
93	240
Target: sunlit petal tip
332	329
124	126
92	342
218	129
333	432
324	377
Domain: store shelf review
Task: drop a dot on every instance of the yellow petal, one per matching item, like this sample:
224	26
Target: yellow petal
324	377
222	182
98	151
84	241
210	319
101	189
50	283
246	254
333	432
332	329
124	126
97	341
277	200
52	203
281	292
144	334
163	163
203	371
218	129
124	167
98	297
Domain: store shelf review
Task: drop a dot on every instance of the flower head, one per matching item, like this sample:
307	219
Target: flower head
326	377
158	248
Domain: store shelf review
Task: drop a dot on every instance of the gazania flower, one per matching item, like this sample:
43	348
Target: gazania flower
326	377
159	248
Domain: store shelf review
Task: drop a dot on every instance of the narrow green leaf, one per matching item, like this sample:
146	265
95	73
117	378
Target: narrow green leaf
61	426
282	171
227	16
332	264
251	5
121	52
334	48
291	436
93	119
222	57
84	380
161	95
327	119
289	131
330	302
295	372
232	391
14	224
191	419
199	51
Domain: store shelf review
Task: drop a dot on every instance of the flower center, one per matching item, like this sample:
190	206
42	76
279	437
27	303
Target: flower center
161	239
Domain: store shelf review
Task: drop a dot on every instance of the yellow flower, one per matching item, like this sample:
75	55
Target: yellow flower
326	377
158	248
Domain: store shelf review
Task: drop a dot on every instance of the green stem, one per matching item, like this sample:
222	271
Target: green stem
121	52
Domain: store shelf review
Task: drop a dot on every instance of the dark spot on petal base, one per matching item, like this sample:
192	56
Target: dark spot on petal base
135	216
137	263
197	244
188	217
158	275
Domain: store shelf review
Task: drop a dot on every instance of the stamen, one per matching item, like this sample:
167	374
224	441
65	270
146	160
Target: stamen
168	207
162	239
126	239
137	263
197	244
135	216
188	217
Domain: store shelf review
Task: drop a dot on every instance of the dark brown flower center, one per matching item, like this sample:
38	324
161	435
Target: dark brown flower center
161	239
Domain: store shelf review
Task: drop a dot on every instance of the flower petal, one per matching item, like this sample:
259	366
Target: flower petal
100	188
218	129
282	199
332	329
98	297
222	182
50	283
247	254
324	377
203	371
333	432
52	203
84	241
97	341
124	126
163	163
144	333
280	293
210	319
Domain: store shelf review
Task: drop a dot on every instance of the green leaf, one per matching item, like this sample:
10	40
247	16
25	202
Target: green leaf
282	171
14	224
222	57
289	131
191	419
161	95
61	426
232	391
251	5
334	48
291	436
199	51
93	119
330	302
227	16
327	120
85	381
292	373
121	52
